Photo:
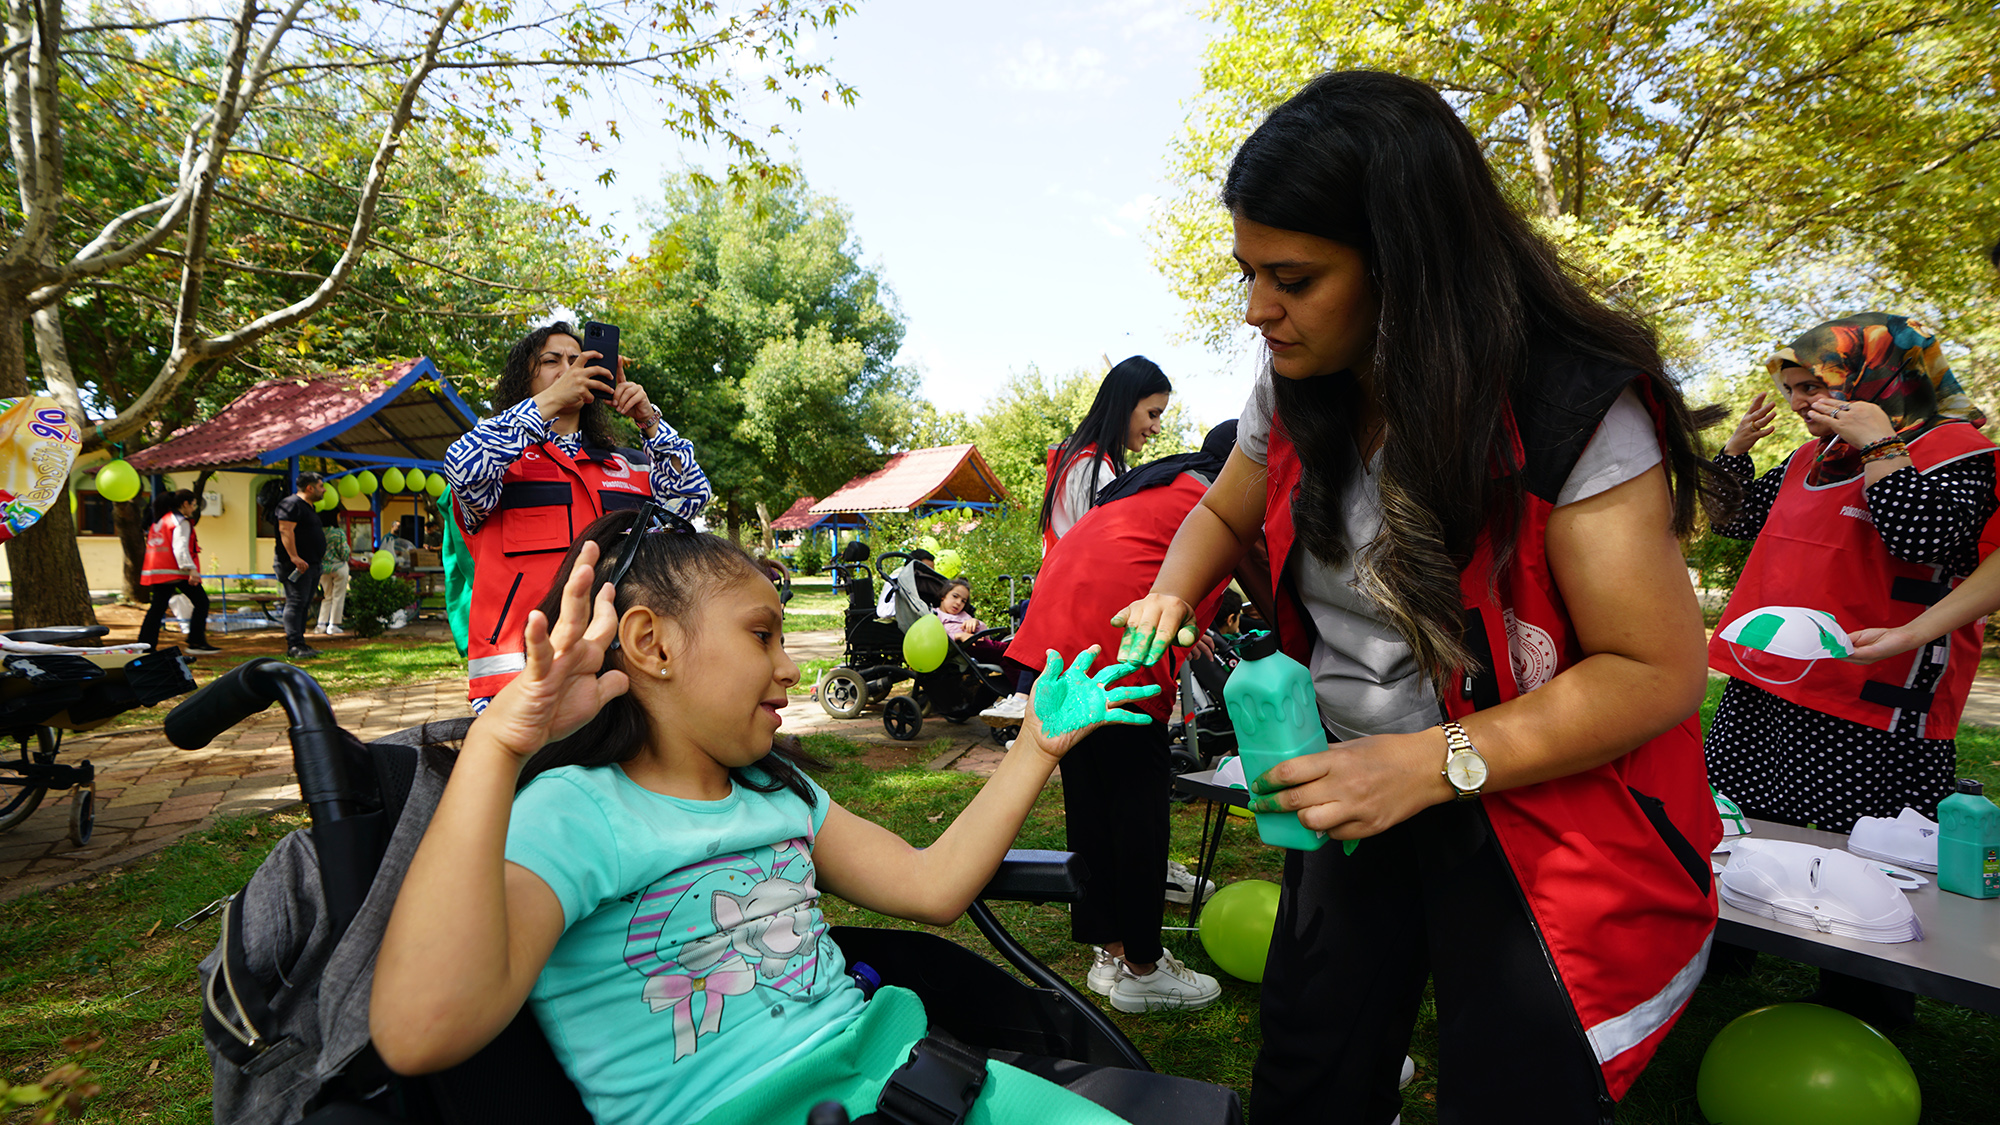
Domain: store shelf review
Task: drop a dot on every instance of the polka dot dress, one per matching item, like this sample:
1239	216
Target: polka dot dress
1788	763
1792	764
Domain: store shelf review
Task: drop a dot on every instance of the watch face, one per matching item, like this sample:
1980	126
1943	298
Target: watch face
1467	772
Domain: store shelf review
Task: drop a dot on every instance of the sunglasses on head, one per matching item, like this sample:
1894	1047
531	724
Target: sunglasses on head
653	517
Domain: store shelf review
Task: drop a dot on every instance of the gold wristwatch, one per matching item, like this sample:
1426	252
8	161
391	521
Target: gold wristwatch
1464	768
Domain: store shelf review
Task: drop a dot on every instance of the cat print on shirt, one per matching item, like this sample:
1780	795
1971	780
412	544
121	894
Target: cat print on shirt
715	937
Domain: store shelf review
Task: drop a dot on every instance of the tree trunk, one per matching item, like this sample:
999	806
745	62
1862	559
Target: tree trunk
44	565
764	522
129	521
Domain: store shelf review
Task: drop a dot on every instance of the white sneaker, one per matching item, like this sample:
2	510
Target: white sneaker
1014	708
1409	1072
1181	885
332	631
1103	971
1170	985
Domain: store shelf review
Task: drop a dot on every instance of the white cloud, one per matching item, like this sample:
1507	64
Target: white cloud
1038	69
1107	226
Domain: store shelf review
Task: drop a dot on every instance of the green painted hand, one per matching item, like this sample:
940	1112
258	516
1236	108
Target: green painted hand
1071	699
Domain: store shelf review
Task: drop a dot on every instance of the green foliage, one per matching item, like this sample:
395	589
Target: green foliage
372	601
1032	413
1735	171
1003	541
766	341
62	1090
811	555
1718	559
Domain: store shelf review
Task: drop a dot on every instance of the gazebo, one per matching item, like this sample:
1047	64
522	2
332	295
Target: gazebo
919	481
401	415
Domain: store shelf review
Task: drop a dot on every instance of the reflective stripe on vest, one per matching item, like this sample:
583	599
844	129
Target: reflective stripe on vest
547	498
1619	1034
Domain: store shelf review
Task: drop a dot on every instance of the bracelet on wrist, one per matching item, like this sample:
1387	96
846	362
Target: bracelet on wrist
1885	453
1881	443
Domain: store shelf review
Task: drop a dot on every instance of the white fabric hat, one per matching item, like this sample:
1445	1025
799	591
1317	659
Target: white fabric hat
1910	840
1819	889
1789	630
1733	821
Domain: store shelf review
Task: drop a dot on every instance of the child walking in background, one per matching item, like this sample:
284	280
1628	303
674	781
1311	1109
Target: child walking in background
621	846
334	576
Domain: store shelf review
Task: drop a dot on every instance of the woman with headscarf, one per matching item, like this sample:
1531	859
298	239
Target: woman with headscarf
1881	513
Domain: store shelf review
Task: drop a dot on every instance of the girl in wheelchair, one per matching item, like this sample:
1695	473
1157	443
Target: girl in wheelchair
621	846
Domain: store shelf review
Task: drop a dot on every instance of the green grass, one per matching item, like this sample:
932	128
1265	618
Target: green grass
90	958
796	622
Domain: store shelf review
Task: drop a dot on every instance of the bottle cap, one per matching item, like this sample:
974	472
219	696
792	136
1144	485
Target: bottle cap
1972	786
1258	646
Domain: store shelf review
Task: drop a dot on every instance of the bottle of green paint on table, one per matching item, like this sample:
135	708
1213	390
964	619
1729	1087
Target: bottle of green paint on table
1969	842
1271	705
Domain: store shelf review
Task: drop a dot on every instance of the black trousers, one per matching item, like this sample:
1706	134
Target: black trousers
156	613
1115	786
1356	937
300	586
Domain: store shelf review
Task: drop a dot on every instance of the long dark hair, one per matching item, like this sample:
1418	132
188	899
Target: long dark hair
517	377
168	501
1104	429
1380	163
672	573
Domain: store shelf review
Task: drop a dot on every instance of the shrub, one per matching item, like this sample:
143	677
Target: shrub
371	602
810	558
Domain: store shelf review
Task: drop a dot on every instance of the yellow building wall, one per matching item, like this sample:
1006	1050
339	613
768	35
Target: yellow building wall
229	540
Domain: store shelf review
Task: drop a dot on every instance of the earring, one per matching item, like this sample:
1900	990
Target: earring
663	671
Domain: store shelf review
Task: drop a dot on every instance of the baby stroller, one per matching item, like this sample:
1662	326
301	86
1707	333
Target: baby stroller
1204	735
48	686
873	665
285	993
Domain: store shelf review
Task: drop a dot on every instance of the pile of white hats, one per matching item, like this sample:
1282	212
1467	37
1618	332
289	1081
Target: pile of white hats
1910	840
1819	889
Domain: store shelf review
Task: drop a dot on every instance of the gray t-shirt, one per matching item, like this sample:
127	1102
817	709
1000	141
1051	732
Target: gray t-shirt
1365	674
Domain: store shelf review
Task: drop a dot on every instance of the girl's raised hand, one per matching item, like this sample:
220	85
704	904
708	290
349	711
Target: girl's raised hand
1151	623
1067	704
561	688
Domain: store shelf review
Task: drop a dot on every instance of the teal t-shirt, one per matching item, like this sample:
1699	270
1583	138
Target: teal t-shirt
694	959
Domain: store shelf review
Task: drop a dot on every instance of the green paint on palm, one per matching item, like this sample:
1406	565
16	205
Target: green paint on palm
1071	699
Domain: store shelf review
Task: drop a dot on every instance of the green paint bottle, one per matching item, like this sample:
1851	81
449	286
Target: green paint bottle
1271	705
1969	842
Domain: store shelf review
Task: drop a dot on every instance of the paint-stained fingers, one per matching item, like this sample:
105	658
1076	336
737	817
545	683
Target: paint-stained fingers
1116	696
1134	718
1084	659
1114	672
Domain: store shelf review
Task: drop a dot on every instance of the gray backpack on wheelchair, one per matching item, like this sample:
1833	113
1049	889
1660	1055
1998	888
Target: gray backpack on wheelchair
285	992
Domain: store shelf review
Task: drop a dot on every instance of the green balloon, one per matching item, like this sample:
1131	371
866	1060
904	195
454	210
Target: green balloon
1802	1064
925	645
949	563
328	500
414	480
382	565
435	485
366	481
118	481
392	480
1236	927
929	543
348	486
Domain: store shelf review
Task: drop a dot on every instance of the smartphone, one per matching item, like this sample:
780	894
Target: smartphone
602	338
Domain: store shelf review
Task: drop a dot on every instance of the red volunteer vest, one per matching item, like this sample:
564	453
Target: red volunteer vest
1814	532
158	566
1105	563
1612	863
547	498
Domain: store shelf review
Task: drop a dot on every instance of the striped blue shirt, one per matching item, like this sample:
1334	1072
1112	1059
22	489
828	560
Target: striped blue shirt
474	464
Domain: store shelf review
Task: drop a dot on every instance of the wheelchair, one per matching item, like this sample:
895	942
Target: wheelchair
358	793
872	664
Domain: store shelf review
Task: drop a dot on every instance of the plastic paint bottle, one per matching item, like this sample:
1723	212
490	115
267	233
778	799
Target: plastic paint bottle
1969	842
1271	704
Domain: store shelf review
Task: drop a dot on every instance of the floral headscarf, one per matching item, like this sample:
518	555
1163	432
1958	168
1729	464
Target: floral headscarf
1891	361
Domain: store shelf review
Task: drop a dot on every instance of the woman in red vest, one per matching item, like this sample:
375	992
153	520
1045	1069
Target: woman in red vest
1123	417
525	481
1882	512
1471	476
172	565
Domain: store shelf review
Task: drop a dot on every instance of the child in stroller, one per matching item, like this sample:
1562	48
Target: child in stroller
660	851
873	663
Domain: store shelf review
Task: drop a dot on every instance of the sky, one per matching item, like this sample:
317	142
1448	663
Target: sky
1000	167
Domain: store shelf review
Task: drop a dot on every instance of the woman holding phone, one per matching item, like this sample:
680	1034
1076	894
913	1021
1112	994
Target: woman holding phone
527	479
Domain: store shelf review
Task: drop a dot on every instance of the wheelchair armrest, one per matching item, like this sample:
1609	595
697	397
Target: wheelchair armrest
1027	875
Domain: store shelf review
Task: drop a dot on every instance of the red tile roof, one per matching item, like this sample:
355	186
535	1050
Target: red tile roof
940	475
798	517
